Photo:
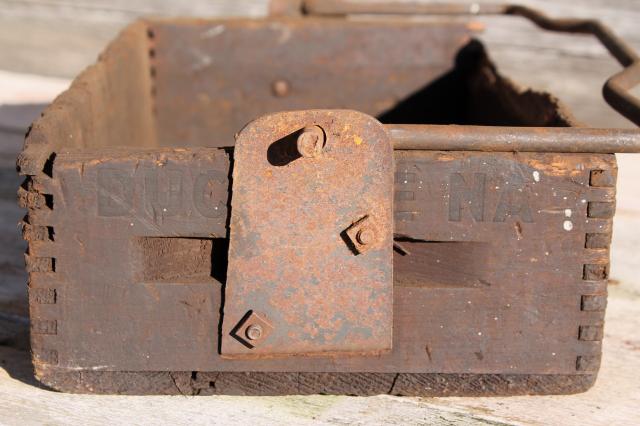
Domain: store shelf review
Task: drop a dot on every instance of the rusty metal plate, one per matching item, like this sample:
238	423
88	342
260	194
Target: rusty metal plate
310	256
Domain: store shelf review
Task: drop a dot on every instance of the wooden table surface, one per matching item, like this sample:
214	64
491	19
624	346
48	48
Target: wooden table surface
571	67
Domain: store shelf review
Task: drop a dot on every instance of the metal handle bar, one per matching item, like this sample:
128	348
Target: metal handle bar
616	89
513	139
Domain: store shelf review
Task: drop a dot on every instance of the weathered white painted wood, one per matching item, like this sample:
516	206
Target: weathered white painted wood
61	37
125	9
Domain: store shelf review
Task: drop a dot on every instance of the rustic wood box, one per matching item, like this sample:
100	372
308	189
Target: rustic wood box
128	193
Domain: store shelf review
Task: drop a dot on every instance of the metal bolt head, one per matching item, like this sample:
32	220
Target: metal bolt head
310	141
280	88
366	236
254	332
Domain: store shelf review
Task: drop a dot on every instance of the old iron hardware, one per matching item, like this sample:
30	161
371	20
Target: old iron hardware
363	234
252	329
310	142
293	236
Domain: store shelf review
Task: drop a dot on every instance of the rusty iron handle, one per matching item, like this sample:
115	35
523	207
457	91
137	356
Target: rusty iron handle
513	139
616	89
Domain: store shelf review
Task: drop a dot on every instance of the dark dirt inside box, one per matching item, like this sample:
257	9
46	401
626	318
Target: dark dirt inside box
486	274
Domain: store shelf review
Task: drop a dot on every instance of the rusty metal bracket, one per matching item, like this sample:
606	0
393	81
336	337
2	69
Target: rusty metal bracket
310	255
616	90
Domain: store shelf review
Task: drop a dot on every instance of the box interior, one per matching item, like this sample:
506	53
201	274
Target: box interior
181	83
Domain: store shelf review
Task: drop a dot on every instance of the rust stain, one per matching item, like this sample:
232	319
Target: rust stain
290	257
556	167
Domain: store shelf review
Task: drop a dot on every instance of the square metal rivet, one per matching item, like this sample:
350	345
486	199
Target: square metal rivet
364	234
252	329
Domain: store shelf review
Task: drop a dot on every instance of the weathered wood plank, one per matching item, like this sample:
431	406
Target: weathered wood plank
114	9
60	38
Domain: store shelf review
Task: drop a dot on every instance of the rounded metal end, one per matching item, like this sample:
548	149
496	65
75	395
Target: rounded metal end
254	332
280	88
311	141
366	236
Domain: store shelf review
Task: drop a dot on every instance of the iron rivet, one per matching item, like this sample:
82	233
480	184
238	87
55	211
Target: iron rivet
280	88
253	332
311	141
365	236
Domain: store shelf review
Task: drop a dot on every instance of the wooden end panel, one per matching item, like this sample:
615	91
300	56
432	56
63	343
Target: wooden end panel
515	302
108	104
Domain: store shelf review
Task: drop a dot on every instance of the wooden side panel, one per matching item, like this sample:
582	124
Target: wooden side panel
109	104
213	77
361	384
535	305
94	245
